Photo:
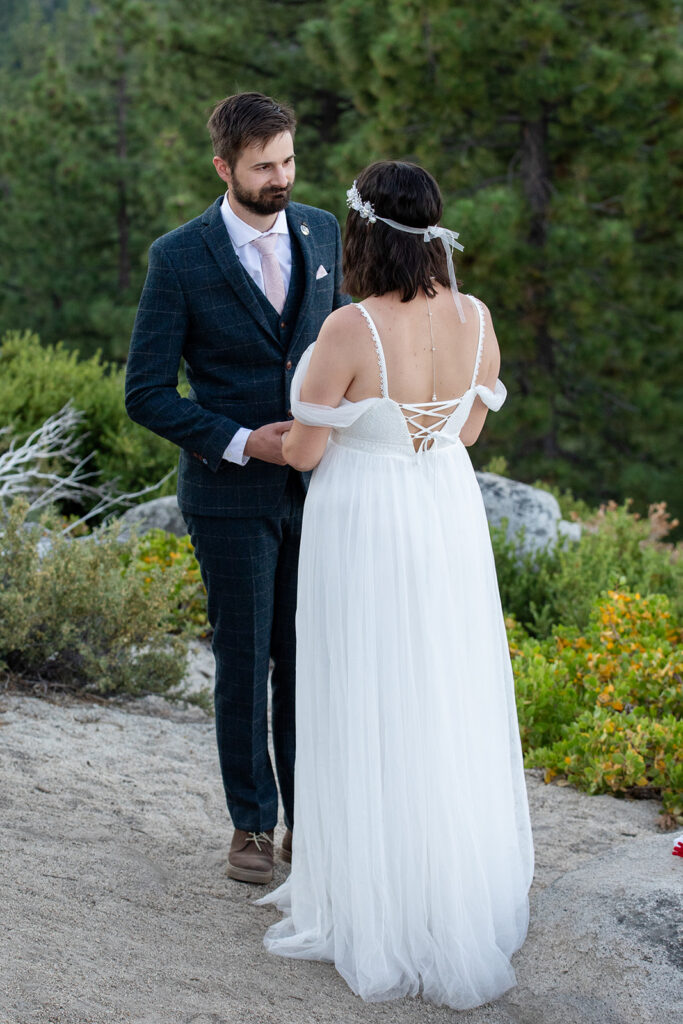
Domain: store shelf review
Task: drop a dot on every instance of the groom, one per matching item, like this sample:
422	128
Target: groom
238	293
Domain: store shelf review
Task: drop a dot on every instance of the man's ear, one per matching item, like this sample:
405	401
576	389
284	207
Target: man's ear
222	169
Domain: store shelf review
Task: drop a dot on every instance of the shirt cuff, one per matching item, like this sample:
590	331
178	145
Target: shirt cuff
235	450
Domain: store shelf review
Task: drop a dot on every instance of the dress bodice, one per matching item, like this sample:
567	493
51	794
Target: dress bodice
383	425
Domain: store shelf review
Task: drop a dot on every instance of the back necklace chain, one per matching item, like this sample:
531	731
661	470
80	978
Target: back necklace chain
431	338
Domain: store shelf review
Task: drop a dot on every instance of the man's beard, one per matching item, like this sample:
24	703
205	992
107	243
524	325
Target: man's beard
265	201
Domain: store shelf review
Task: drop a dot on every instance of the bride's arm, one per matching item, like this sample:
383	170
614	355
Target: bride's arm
488	374
329	375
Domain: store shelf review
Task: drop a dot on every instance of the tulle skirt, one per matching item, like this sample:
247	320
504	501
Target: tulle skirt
412	851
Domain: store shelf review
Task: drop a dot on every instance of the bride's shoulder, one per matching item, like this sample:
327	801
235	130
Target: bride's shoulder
335	357
342	318
489	366
486	314
476	301
343	329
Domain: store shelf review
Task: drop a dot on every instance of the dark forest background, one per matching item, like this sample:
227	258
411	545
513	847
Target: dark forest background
554	129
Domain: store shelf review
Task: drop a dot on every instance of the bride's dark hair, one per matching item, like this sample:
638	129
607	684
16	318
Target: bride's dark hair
377	258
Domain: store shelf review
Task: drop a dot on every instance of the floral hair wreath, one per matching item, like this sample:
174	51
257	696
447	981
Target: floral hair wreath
354	201
449	239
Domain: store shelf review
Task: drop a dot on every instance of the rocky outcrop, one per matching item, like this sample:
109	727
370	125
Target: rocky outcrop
158	514
528	509
610	933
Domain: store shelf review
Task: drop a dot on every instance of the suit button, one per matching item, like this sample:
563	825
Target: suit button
288	364
283	324
290	414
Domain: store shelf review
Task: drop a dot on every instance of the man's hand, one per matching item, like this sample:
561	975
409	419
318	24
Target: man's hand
266	443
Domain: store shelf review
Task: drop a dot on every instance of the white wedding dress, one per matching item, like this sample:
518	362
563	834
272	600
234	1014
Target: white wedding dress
412	844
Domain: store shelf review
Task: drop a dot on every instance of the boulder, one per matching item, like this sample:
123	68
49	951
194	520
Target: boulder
158	514
604	939
524	507
530	508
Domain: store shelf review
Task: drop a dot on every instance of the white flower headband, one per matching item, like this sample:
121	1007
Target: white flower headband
366	210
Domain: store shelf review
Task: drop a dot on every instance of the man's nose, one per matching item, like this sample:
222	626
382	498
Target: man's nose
281	178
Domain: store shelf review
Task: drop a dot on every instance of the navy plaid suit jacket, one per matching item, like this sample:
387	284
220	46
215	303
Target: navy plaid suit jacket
200	305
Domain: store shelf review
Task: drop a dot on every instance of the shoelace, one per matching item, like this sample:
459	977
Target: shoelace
258	838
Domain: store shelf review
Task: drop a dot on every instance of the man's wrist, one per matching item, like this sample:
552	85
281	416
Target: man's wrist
235	450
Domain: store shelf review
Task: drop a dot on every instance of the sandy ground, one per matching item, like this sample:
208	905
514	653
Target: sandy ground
116	908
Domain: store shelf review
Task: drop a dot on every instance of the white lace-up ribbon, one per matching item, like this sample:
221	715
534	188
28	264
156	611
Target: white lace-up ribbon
430	434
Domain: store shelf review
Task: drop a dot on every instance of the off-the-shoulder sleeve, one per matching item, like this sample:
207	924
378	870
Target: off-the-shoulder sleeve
493	399
312	415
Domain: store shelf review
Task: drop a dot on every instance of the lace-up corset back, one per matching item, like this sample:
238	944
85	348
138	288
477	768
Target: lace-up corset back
380	425
424	420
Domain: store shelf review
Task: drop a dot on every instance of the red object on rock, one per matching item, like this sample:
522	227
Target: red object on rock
678	846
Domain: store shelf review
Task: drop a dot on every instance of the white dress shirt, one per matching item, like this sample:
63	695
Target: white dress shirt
241	234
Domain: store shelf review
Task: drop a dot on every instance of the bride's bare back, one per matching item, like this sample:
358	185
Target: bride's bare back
404	330
413	370
344	364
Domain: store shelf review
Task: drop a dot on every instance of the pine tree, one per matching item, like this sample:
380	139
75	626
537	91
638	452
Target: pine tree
552	129
80	192
552	126
104	144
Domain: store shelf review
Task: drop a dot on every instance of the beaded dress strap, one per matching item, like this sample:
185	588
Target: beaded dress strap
480	344
378	349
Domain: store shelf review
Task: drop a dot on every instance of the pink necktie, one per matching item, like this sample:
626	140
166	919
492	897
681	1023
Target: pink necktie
273	285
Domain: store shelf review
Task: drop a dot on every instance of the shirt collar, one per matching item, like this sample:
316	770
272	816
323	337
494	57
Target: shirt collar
242	233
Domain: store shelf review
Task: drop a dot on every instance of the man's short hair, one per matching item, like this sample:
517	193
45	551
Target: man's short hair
245	119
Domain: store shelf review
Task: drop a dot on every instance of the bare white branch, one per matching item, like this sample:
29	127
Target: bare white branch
107	503
35	469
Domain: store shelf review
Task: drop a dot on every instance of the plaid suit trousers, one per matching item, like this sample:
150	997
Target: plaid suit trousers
249	568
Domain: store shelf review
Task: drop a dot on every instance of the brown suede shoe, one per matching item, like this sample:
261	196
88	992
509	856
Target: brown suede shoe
251	857
286	848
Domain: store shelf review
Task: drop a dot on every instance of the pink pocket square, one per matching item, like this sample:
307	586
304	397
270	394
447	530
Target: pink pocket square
320	272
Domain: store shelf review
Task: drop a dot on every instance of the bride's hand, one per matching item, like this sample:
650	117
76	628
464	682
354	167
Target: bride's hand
265	443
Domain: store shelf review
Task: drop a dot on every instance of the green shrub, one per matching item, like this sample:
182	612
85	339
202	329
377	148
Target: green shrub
37	381
616	549
74	618
546	698
525	581
603	706
571	507
174	558
603	752
497	464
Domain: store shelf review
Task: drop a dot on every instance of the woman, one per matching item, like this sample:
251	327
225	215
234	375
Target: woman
412	848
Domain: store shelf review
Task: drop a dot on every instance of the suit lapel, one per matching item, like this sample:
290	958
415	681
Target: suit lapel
217	239
302	239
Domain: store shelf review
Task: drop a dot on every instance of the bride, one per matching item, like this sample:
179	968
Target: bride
412	854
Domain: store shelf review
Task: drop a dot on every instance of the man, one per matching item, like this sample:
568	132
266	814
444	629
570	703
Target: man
239	293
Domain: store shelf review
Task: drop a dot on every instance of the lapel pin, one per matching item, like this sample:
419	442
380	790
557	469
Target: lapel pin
305	229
